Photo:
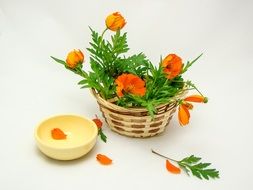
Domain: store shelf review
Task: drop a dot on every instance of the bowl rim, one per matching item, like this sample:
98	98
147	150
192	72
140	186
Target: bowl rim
38	139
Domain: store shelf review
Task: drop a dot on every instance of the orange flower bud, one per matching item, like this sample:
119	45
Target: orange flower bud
172	65
115	21
74	58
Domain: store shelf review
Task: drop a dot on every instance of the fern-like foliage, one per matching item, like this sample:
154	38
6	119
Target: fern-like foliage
109	59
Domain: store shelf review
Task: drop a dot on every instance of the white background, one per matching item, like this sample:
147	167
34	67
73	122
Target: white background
33	87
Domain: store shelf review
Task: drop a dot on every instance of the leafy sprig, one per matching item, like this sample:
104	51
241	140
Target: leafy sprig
189	64
192	165
99	125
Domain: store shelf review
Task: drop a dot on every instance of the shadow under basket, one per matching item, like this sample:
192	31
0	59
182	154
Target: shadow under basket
135	122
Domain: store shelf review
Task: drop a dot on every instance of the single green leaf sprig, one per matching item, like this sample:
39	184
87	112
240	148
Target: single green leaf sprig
192	165
99	124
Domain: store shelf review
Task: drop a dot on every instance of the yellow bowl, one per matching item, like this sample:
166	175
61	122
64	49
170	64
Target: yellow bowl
81	137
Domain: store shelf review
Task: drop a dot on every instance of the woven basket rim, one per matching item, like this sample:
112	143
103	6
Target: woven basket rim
113	106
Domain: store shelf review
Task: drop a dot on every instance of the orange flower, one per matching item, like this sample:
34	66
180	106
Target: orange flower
103	159
185	106
171	168
74	58
172	65
130	83
115	21
58	134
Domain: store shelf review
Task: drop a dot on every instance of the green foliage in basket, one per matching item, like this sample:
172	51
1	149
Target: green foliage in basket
133	79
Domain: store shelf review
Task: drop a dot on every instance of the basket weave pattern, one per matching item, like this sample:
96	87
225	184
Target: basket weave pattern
135	122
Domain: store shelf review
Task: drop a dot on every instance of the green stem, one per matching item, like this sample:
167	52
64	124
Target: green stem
80	72
177	81
188	89
163	156
102	35
192	85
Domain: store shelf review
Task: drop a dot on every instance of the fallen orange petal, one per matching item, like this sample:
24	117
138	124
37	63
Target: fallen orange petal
171	168
103	159
58	134
183	115
195	98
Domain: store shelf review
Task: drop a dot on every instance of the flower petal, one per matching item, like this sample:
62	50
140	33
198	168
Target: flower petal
103	159
171	168
183	115
138	91
58	134
195	98
120	84
98	122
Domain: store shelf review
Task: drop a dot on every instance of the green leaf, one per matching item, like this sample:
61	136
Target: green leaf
191	159
102	135
84	81
196	173
189	64
151	110
58	60
202	165
197	168
86	86
185	169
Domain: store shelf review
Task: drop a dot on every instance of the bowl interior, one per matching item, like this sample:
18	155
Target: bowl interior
79	131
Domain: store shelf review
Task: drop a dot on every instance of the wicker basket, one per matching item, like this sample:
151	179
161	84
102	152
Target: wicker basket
136	122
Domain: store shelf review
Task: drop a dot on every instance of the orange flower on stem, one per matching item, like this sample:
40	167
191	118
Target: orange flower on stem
185	106
115	21
74	58
172	65
130	83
